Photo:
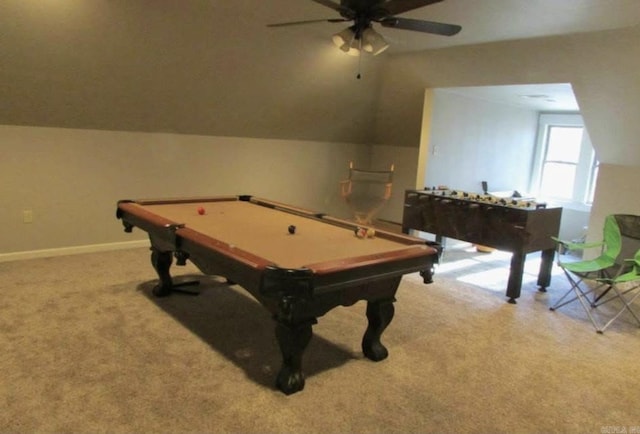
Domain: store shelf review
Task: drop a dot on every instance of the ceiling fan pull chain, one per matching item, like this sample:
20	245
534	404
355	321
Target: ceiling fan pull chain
359	57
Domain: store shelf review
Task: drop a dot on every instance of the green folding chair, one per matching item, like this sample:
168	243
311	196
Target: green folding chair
592	279
583	275
622	284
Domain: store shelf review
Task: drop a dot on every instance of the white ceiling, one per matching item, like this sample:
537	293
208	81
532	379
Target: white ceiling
558	97
481	20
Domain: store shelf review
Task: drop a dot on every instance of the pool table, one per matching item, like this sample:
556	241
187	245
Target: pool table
296	263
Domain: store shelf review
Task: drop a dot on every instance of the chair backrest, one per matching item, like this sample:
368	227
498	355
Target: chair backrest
629	226
366	191
612	238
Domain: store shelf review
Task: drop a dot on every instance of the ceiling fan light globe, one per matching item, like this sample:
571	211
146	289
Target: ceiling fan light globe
351	49
343	38
375	49
338	41
373	42
379	49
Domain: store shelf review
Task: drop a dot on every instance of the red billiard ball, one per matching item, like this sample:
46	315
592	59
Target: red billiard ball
200	210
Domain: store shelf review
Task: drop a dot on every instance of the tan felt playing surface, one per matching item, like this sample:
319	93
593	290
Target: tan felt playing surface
264	232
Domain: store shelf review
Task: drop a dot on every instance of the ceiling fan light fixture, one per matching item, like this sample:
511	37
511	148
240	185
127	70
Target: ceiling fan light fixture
361	36
373	42
346	40
370	41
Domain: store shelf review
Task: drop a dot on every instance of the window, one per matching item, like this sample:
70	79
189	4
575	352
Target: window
565	168
560	164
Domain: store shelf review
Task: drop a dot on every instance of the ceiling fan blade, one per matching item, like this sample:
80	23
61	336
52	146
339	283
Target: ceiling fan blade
344	11
394	7
295	23
421	26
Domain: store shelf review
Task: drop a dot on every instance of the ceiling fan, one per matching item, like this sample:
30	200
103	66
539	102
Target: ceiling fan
361	36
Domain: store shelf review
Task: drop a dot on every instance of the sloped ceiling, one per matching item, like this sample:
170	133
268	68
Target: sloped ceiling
212	67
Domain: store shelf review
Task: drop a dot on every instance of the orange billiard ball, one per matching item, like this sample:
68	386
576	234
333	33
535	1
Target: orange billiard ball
200	210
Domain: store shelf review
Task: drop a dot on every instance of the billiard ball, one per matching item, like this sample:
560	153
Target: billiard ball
200	210
292	229
360	232
371	233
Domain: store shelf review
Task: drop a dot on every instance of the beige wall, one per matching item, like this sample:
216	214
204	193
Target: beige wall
71	179
616	193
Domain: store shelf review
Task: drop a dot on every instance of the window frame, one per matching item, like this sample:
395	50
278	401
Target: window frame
584	180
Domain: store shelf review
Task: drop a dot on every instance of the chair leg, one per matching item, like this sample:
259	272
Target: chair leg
627	305
587	308
613	297
575	289
581	296
596	301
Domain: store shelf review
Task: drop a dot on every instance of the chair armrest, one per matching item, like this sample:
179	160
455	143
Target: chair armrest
626	265
633	263
568	245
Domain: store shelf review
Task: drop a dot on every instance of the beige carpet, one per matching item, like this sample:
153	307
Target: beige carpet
85	348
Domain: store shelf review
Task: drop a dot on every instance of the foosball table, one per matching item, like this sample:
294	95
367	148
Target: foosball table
516	225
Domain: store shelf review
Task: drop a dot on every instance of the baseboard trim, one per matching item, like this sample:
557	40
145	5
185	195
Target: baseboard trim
64	251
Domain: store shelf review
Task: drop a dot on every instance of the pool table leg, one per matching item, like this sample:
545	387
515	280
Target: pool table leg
379	313
293	339
161	262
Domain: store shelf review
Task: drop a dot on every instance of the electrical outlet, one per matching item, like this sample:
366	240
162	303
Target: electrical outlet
27	216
